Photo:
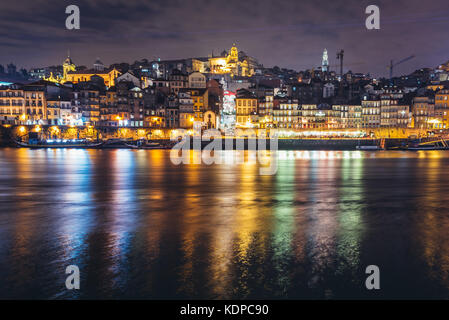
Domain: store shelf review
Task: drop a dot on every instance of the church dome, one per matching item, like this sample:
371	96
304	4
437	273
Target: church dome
68	61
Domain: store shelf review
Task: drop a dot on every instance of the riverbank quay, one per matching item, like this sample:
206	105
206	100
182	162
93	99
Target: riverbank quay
286	140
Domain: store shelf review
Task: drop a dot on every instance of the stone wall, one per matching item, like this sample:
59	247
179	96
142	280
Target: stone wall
94	133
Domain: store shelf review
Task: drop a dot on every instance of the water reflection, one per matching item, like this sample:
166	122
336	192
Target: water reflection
139	226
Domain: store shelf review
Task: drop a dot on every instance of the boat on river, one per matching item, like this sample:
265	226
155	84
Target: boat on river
369	148
59	144
380	145
430	145
147	145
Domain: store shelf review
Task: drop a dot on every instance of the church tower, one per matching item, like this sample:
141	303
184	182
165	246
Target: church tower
234	54
67	66
325	63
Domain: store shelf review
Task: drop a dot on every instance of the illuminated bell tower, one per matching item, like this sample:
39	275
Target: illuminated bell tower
67	66
234	54
325	63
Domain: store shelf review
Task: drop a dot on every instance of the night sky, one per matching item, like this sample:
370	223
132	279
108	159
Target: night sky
287	33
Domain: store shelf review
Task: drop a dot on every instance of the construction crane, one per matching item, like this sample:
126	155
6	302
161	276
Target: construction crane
340	57
392	64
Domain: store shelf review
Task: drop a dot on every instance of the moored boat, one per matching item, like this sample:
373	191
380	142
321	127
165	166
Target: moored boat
417	145
59	144
369	148
434	145
380	145
147	145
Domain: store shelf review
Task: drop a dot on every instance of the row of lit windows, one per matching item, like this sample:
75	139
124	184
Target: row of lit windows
245	110
289	106
244	103
20	95
11	94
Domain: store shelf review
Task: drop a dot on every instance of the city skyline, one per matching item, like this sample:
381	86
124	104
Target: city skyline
231	158
119	31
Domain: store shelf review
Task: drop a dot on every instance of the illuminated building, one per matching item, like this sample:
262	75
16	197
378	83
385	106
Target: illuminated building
108	107
328	90
246	107
228	99
59	111
35	103
196	80
370	112
346	116
442	109
211	119
172	112
234	63
315	116
200	102
12	104
325	62
388	111
156	120
130	105
38	73
404	116
70	74
228	112
86	100
108	75
67	66
423	111
286	113
266	109
200	64
186	115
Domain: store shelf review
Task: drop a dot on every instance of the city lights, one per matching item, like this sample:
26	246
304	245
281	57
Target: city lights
235	153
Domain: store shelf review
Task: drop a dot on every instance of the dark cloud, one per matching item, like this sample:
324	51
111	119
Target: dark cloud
287	33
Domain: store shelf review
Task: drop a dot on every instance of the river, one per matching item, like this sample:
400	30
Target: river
140	227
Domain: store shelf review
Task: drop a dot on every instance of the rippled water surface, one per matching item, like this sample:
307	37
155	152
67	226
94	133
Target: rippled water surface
139	226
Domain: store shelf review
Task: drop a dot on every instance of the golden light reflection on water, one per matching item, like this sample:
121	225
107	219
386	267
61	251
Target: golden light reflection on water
284	223
23	231
246	215
350	216
220	231
322	217
223	235
432	223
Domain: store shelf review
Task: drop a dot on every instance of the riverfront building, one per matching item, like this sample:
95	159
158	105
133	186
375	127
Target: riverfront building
231	90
